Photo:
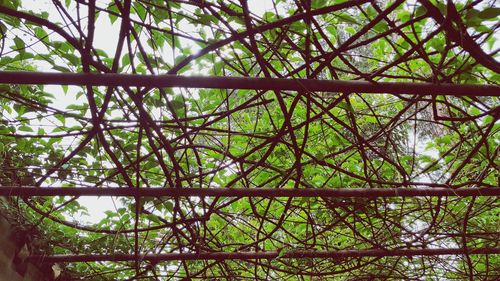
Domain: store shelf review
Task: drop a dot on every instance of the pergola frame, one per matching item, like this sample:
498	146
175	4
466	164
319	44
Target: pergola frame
315	87
246	83
26	191
268	255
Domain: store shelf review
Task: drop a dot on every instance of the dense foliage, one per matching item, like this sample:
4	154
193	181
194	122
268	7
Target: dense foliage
208	138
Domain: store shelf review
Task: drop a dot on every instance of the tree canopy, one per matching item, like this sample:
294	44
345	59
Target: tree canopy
408	148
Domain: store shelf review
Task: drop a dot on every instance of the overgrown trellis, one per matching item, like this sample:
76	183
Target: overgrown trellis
347	139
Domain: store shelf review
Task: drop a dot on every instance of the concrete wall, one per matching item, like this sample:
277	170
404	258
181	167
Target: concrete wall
13	266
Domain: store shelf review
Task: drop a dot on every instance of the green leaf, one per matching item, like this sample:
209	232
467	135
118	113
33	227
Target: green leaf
3	30
169	206
489	13
153	218
437	44
332	30
206	19
420	11
404	16
281	252
140	10
347	18
25	128
61	118
19	43
381	26
13	4
125	59
113	8
268	16
149	165
40	32
61	68
315	4
350	30
344	105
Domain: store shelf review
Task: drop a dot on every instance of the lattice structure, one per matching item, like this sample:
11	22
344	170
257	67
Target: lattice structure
355	140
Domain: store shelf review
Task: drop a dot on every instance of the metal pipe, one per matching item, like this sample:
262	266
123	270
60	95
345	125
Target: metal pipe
265	255
249	192
216	82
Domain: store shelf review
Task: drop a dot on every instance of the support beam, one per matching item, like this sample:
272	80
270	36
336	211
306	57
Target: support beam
249	192
265	255
216	82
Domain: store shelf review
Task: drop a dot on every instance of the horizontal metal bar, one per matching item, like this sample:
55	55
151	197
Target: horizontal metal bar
163	81
265	255
249	192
